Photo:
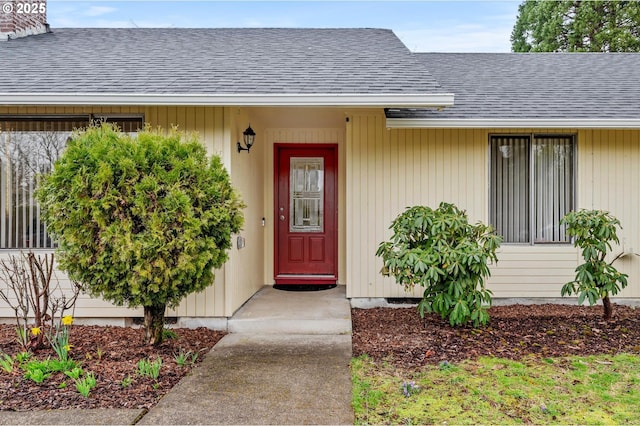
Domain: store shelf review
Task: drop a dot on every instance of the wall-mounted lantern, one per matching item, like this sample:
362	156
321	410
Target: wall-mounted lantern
249	137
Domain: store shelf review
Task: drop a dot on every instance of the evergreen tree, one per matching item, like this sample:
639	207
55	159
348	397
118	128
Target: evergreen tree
140	221
577	26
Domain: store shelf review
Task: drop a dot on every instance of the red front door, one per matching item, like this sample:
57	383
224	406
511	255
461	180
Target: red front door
306	214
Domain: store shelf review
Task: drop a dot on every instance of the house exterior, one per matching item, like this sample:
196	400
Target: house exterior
351	128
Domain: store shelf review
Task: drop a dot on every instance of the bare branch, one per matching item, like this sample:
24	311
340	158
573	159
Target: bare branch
32	290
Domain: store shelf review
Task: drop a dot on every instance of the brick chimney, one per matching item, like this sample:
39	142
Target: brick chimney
21	18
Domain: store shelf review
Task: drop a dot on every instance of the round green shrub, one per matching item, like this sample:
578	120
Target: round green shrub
140	221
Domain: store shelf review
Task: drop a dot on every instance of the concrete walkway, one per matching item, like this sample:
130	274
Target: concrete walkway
286	361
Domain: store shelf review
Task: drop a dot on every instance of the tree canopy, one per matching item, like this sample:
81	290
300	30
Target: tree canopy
140	221
577	26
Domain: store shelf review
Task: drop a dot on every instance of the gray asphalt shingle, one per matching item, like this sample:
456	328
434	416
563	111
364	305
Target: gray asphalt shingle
212	61
321	61
534	85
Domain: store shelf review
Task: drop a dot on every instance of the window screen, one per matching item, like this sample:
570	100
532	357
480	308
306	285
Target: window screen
531	186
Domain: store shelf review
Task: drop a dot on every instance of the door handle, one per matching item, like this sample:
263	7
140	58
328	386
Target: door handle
282	217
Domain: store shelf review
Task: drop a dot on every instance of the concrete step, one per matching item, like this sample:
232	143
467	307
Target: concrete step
273	311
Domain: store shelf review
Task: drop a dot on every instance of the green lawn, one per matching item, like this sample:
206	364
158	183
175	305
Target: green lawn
577	390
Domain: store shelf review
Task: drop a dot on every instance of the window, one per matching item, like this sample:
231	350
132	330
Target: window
29	145
531	186
307	194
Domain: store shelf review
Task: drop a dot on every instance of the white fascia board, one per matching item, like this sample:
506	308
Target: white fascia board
394	100
564	123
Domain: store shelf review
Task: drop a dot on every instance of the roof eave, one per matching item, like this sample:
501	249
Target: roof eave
561	123
395	100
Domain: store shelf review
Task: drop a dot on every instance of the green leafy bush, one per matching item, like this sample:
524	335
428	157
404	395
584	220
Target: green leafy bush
140	221
593	232
440	251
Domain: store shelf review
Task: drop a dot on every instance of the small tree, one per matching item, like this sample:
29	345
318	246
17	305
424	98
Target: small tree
29	286
594	231
140	221
440	251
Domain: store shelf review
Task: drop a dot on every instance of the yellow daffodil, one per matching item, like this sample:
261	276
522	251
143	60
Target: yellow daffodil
67	320
36	331
67	348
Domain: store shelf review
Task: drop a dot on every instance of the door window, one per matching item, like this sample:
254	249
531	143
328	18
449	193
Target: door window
306	197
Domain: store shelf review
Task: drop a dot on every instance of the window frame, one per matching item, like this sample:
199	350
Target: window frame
532	136
35	123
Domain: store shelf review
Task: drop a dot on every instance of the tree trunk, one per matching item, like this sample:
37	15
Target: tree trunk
608	309
153	324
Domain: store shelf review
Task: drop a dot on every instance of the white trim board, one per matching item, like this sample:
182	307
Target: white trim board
518	123
334	99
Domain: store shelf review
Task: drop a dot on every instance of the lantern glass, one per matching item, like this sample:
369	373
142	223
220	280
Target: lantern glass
249	137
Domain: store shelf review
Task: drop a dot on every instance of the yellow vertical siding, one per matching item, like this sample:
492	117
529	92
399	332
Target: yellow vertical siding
381	172
210	124
243	272
609	161
391	169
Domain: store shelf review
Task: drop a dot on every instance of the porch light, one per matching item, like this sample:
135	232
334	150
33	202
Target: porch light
249	137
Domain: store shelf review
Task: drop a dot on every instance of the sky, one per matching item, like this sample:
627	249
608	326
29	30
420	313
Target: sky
424	26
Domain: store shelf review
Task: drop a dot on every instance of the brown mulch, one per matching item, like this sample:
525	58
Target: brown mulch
396	335
112	354
401	337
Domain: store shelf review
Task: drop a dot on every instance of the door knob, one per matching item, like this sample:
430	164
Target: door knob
281	217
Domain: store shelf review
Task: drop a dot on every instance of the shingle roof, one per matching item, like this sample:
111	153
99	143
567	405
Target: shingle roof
212	61
534	85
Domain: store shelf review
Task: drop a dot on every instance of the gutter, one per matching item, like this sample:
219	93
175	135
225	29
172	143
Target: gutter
395	100
517	123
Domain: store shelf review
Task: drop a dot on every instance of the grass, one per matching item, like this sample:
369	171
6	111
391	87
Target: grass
577	390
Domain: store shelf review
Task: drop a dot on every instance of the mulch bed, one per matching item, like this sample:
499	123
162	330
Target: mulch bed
395	335
401	337
112	354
